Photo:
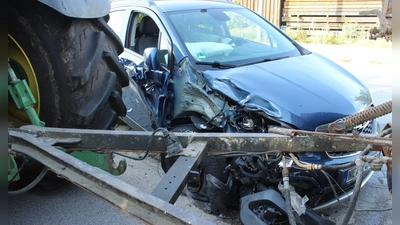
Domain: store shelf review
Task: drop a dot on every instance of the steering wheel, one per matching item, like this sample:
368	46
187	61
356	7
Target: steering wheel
236	41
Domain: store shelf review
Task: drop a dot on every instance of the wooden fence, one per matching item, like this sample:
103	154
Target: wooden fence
316	14
270	9
329	14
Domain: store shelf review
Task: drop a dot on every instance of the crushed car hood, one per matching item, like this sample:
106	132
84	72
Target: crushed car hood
318	93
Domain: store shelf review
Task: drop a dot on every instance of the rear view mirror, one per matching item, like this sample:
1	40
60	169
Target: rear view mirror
151	59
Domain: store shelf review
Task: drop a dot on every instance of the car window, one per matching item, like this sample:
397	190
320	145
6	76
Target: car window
230	35
145	34
163	56
254	32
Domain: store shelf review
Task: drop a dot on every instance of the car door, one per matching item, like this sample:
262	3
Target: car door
140	28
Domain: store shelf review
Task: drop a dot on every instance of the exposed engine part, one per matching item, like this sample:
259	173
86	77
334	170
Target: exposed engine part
254	169
341	125
245	163
375	163
297	202
310	166
247	123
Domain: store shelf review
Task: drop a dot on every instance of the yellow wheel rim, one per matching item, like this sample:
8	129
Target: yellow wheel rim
22	67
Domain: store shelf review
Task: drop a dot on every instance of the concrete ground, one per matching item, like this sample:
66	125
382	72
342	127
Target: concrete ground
353	53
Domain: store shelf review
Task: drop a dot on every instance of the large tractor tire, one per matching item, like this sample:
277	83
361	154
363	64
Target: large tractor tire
72	68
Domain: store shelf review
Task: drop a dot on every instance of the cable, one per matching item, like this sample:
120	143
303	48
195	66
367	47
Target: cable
163	111
18	171
32	184
329	178
158	169
289	209
220	112
357	186
310	166
372	210
356	191
333	187
147	148
244	153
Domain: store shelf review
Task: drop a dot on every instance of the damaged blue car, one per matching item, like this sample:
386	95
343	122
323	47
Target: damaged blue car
215	66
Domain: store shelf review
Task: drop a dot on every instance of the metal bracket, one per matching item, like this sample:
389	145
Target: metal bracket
23	97
191	151
175	179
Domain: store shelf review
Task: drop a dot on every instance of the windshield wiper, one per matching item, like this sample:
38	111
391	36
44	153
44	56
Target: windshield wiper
264	60
216	64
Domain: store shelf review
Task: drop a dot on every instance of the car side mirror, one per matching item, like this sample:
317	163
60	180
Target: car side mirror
151	62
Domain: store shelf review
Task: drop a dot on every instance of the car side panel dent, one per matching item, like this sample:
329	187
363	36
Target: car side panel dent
191	94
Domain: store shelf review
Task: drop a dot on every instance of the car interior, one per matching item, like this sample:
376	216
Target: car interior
147	35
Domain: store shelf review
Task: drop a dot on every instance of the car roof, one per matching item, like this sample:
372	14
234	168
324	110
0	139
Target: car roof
177	5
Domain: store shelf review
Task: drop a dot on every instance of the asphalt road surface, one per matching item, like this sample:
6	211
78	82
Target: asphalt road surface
69	204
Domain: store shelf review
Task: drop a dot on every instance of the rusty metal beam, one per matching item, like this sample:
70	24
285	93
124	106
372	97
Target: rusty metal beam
367	139
103	140
129	199
173	182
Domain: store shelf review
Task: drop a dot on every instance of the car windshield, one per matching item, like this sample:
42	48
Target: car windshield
230	36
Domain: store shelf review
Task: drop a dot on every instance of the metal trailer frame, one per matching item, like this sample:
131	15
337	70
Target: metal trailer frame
43	144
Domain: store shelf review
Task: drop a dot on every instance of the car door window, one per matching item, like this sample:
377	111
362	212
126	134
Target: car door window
145	34
163	50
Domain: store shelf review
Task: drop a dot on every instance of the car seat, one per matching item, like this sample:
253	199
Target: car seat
149	35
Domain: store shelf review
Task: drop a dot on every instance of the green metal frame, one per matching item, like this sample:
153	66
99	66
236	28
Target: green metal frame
24	99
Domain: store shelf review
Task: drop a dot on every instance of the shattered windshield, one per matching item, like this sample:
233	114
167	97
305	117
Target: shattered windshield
230	36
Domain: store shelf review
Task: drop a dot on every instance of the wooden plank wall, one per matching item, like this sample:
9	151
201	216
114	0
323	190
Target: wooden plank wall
329	14
271	9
